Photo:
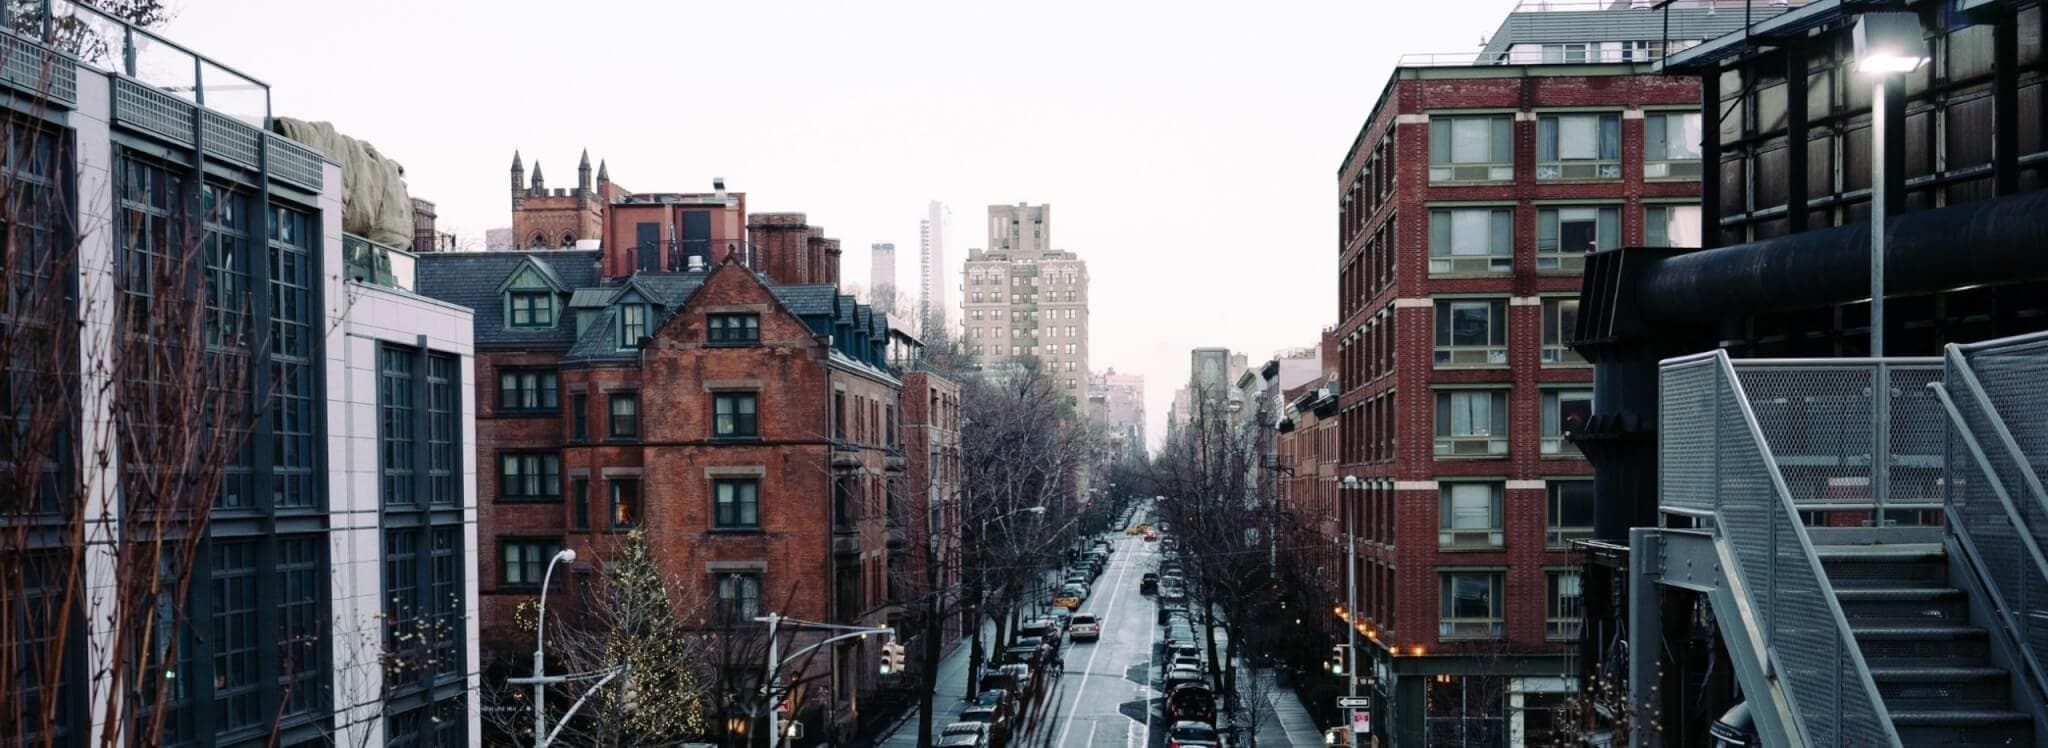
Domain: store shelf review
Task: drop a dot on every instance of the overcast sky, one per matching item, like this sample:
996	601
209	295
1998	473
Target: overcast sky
1189	149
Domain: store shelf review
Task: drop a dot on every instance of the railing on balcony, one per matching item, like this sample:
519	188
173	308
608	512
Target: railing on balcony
103	41
1996	507
1719	463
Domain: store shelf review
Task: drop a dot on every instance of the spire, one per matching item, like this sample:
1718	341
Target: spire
583	172
603	174
538	184
516	166
518	178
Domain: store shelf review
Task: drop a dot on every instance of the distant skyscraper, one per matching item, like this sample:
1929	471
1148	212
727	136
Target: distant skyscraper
882	265
1027	300
931	266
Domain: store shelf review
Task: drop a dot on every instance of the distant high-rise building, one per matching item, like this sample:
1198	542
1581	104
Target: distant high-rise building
931	267
1026	300
1121	398
882	266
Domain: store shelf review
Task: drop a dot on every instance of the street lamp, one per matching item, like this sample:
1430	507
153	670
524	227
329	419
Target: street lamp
1352	483
540	686
1886	43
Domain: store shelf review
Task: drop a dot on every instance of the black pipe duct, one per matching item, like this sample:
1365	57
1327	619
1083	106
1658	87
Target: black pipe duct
2001	240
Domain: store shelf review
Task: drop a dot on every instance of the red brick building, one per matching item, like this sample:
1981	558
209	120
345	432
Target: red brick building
1306	487
741	413
559	218
924	523
1466	206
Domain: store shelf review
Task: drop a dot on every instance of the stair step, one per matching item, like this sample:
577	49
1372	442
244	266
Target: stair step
1899	646
1880	605
1963	727
1935	688
1890	566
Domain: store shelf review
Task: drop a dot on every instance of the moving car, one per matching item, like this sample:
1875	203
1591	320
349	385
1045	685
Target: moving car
1085	627
1192	735
1148	584
1151	536
1138	529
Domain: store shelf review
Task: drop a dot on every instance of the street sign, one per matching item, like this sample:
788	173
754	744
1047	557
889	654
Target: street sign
1354	702
1361	724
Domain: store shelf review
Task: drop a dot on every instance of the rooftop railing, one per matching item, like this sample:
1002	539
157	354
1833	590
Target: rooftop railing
109	43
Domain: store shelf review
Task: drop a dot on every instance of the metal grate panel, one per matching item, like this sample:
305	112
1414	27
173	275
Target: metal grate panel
293	163
152	111
229	139
1685	466
38	71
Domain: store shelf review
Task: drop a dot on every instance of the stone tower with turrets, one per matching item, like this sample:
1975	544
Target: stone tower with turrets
559	218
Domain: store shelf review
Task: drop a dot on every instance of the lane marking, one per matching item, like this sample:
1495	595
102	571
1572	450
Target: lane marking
1123	571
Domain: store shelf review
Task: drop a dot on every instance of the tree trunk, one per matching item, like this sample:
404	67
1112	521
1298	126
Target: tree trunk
928	679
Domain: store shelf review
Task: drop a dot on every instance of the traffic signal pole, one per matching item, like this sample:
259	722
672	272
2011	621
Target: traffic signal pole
774	689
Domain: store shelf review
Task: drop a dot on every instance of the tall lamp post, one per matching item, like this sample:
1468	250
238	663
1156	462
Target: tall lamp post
1351	483
981	592
1887	43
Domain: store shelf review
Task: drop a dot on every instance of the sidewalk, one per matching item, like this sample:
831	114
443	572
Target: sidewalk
1288	723
947	697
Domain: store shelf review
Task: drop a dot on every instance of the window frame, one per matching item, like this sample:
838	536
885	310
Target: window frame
1495	352
1455	627
1444	258
1657	232
616	487
631	330
1492	444
1603	166
550	464
1557	534
727	596
1451	537
1551	254
1556	443
1557	335
1563	615
726	515
545	392
514	308
732	328
1657	161
547	546
614	421
744	425
1444	165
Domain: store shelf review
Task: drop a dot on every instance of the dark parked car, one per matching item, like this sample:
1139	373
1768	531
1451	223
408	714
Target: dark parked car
1148	584
1000	699
1192	703
1030	652
1181	678
1192	735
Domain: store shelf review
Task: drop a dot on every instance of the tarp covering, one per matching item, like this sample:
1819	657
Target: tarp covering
375	205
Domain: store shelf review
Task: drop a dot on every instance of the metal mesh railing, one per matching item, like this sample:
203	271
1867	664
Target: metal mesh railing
1713	445
1996	503
1819	419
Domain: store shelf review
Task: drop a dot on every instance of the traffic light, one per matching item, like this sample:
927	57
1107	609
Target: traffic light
892	658
1337	660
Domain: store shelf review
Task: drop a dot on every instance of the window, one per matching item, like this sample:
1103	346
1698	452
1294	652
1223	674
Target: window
1671	145
579	490
1469	515
1471	605
1471	149
733	414
396	431
1472	333
738	504
526	561
302	583
1471	240
1578	146
1566	54
733	328
237	639
1560	318
625	412
1568	514
739	598
1671	226
529	476
625	503
579	418
1472	423
839	415
1564	413
1634	51
632	325
529	391
1563	608
1565	235
532	308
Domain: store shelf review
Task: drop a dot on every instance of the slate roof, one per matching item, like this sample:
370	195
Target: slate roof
592	298
472	279
667	290
807	300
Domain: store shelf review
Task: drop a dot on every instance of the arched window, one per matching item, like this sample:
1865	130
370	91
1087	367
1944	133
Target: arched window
568	241
537	242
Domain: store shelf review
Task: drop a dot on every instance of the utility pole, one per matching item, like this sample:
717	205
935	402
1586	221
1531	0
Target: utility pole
774	689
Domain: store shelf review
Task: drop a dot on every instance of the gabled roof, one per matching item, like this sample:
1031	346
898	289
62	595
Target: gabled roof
473	279
807	300
540	268
844	314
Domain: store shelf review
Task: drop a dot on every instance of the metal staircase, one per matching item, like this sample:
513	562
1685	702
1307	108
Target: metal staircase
1876	577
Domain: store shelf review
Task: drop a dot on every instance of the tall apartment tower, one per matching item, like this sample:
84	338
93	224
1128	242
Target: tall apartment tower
1469	201
882	266
1024	299
931	267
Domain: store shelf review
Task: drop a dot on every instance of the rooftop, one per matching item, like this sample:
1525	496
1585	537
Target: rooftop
1583	32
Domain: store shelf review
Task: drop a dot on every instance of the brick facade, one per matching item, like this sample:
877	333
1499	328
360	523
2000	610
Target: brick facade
1391	381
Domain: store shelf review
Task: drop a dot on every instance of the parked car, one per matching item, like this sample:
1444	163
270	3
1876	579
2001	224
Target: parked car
1105	547
1070	596
960	740
1015	679
1182	658
1179	677
1039	628
1148	584
1000	700
1028	652
978	730
1192	735
998	724
1191	704
1085	627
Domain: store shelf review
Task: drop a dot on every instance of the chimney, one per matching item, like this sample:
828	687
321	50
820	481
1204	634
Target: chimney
422	226
780	241
718	188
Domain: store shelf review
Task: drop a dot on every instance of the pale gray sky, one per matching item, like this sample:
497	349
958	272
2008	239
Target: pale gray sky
1189	148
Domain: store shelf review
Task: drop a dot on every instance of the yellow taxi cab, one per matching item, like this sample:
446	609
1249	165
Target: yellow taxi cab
1138	529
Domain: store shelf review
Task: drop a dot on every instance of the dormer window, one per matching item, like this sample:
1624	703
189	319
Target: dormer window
532	309
632	325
